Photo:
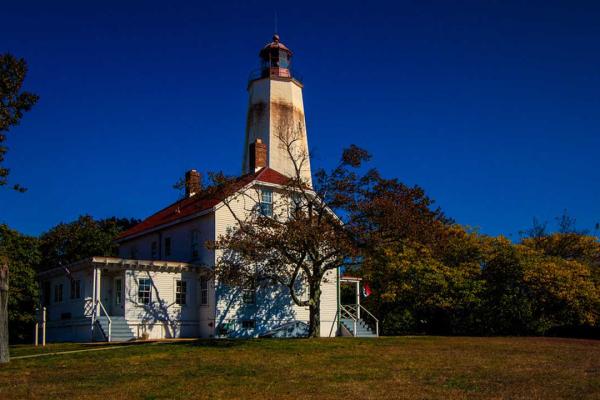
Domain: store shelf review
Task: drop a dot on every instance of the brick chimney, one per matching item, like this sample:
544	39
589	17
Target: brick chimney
258	155
192	182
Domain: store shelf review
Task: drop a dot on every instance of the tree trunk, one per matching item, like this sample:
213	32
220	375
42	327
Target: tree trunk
4	355
314	328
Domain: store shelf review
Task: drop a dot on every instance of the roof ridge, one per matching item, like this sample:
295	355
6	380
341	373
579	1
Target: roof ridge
205	199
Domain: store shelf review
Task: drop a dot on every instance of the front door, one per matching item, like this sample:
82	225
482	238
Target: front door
117	303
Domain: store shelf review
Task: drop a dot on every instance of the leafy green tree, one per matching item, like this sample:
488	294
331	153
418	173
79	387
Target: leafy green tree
85	237
22	255
13	103
507	301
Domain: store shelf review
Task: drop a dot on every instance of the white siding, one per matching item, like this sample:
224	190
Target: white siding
274	305
181	242
162	318
68	320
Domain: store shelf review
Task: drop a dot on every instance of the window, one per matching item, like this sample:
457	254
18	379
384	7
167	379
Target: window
180	292
58	293
167	246
248	324
249	296
266	202
295	203
118	291
195	244
46	293
153	251
144	290
203	291
75	289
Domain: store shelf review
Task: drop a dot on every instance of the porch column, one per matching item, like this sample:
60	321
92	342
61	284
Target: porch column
93	297
358	299
98	286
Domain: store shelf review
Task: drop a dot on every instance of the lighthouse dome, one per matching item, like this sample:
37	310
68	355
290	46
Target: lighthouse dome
274	47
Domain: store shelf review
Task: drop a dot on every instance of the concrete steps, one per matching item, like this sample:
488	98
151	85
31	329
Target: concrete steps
120	330
362	329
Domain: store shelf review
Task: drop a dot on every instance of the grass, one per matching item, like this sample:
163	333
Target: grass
398	367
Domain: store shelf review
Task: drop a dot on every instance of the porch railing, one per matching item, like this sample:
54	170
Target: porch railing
346	313
97	312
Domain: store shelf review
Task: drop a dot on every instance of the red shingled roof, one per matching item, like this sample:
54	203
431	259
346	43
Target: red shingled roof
200	201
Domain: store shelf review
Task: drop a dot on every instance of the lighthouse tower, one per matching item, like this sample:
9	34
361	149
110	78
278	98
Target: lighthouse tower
276	114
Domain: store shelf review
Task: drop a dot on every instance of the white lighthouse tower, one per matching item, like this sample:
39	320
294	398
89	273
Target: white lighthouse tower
276	114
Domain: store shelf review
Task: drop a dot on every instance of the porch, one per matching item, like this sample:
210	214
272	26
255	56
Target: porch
356	320
114	299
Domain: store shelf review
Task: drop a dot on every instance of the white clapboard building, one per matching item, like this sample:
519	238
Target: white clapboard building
162	284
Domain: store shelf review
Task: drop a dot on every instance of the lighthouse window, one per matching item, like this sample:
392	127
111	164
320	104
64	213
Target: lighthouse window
283	60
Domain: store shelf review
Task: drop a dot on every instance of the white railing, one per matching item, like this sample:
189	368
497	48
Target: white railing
107	317
348	314
356	312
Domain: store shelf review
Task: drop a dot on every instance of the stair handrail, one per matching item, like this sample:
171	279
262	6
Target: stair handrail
348	313
107	317
374	318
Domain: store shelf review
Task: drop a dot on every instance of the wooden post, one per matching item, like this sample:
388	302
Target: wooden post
4	352
44	327
37	332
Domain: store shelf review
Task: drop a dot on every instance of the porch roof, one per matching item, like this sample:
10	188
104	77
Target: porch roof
348	278
115	263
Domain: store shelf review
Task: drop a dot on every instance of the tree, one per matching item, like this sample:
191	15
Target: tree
13	103
4	353
298	241
85	237
23	256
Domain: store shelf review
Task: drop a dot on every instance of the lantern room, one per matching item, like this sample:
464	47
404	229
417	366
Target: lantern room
275	59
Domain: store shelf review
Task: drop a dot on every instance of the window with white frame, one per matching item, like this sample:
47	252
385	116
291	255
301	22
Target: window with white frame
203	291
266	202
58	293
168	244
118	291
133	252
144	290
295	203
248	324
180	292
195	244
75	289
249	296
154	250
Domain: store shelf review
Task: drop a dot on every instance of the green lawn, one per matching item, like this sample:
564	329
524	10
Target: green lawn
345	368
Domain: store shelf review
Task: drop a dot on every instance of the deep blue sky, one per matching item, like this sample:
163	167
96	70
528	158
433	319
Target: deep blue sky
492	106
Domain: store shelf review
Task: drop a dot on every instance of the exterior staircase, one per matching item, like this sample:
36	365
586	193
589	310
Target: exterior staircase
354	322
362	329
119	330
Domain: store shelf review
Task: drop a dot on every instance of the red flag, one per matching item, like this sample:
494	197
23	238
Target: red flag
366	290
